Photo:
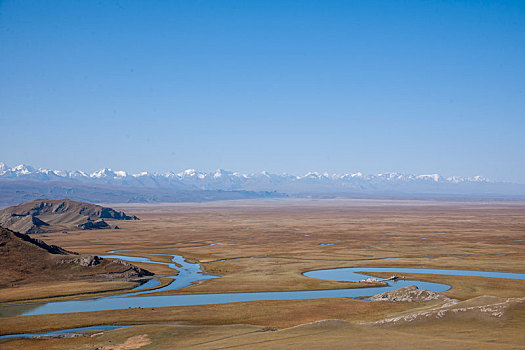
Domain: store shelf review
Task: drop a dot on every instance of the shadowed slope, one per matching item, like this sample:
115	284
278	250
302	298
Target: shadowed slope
26	260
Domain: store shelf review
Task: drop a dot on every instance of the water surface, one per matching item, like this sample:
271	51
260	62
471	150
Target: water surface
350	273
191	272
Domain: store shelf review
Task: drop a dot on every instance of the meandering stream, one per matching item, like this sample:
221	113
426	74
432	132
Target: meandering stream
191	272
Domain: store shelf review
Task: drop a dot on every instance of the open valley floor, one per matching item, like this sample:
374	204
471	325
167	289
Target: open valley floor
260	246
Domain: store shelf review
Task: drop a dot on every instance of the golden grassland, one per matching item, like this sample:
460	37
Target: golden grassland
278	314
61	291
440	334
35	291
268	244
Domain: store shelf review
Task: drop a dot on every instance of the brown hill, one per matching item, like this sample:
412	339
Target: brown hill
44	215
25	260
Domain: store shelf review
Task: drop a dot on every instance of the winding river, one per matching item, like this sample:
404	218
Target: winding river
191	272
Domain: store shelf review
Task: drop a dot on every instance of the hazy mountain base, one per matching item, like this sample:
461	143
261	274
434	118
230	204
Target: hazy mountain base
17	191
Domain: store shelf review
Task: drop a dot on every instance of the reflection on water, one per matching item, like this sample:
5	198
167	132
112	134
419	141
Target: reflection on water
15	310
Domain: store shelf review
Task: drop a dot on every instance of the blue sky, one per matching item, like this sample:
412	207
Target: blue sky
284	86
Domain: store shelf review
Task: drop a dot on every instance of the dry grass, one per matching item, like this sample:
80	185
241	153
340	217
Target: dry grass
269	248
439	334
36	291
269	244
279	314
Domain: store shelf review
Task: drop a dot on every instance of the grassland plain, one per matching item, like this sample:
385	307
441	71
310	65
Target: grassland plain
266	245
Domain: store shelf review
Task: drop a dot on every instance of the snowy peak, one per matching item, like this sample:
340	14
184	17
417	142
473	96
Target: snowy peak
141	174
220	173
223	180
108	173
433	177
23	169
3	167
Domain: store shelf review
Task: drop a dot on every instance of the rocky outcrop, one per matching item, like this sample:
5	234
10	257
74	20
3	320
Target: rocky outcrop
412	294
108	213
130	271
93	225
87	260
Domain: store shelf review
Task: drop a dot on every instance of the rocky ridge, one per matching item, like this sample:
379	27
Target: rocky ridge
44	215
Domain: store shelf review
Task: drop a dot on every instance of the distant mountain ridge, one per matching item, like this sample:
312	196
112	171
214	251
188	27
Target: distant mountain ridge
192	185
219	179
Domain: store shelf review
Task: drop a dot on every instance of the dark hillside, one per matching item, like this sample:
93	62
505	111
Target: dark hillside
25	260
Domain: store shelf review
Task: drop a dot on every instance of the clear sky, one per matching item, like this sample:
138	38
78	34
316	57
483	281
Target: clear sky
284	86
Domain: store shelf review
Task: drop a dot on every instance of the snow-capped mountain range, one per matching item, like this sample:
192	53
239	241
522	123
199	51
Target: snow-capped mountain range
235	181
24	183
